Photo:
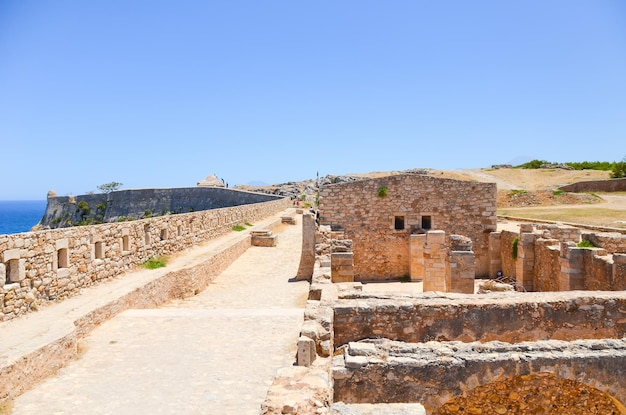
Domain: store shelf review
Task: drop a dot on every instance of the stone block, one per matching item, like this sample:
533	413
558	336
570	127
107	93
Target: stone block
306	351
10	254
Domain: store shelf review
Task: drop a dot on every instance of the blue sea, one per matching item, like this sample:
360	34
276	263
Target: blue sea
18	216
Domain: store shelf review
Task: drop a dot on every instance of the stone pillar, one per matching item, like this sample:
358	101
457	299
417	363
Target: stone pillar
342	267
495	254
619	272
416	252
572	267
435	262
307	256
525	264
462	272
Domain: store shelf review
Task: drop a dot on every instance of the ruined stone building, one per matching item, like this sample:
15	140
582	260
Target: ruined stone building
381	215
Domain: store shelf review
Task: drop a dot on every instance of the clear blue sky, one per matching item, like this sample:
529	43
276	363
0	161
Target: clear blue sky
163	93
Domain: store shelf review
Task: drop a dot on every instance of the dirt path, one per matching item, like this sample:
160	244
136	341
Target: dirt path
215	353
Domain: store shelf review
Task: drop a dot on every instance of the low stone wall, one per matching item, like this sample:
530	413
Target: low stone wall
50	265
612	185
435	373
509	318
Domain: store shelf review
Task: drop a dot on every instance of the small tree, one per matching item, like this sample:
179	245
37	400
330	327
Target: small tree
619	169
109	187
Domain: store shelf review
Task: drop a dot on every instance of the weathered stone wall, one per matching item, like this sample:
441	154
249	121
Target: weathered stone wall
63	211
508	262
50	265
434	373
611	241
380	214
509	318
547	265
548	258
613	185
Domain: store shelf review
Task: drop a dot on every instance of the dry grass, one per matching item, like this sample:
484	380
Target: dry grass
595	215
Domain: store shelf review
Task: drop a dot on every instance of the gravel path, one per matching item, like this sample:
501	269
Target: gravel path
215	353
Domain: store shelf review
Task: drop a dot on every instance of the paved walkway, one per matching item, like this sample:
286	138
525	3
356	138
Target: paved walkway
215	353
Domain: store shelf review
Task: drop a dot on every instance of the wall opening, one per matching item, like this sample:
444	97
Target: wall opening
398	223
164	234
99	250
13	270
125	243
63	258
146	231
179	230
427	222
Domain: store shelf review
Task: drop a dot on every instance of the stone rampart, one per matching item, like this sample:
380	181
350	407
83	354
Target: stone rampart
63	211
612	185
379	215
509	318
49	265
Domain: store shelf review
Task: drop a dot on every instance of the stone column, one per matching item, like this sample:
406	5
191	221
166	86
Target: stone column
619	272
307	257
572	266
435	262
416	252
525	264
495	254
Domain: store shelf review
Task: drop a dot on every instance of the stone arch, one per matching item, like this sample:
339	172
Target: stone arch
539	393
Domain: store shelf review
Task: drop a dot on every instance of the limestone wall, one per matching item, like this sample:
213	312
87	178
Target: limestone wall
548	377
380	214
548	258
513	319
49	265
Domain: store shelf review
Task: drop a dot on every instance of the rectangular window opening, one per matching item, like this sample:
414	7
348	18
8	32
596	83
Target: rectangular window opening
63	258
398	223
426	222
164	234
99	250
13	270
179	230
125	243
147	238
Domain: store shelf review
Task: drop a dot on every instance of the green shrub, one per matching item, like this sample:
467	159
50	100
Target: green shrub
382	191
249	224
516	192
239	228
585	244
558	192
514	248
153	263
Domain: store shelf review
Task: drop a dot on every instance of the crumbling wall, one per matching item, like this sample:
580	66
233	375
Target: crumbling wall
547	265
380	214
612	242
49	265
436	373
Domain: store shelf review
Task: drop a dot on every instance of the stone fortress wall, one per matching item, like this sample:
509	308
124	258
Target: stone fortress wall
49	265
380	215
63	211
613	185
